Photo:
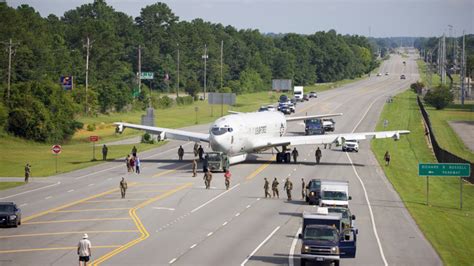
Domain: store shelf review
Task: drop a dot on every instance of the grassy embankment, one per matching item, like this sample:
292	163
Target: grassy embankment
448	228
445	135
7	185
77	153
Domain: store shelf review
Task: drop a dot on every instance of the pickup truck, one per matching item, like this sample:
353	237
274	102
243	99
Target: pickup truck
324	239
313	191
314	127
10	214
329	124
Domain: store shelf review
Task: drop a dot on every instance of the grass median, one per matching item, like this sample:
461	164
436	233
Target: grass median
7	185
448	228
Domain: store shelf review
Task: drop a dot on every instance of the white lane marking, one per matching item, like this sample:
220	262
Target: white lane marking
237	214
171	261
110	178
210	234
293	246
164	208
24	204
90	185
258	198
213	199
48	197
70	190
224	224
205	187
374	228
24	192
259	246
193	246
294	169
248	206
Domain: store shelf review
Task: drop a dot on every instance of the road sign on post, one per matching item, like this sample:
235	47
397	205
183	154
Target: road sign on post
93	139
444	169
146	75
56	150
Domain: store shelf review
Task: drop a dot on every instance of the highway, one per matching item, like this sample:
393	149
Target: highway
169	218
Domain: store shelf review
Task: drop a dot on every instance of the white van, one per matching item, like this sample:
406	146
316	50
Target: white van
334	193
298	92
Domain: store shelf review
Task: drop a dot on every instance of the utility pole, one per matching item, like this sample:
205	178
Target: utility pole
463	67
177	84
87	72
205	57
9	67
140	69
222	61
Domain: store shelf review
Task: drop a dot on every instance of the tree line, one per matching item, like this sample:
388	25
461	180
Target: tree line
46	48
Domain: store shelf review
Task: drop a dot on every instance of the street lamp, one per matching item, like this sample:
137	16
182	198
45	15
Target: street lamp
205	57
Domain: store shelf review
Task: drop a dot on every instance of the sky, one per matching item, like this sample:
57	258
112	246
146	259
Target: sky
374	18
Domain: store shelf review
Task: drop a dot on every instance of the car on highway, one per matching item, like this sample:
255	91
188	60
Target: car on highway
263	109
283	98
313	191
386	73
305	97
314	127
271	108
351	145
379	74
329	124
292	107
10	214
284	108
313	95
402	76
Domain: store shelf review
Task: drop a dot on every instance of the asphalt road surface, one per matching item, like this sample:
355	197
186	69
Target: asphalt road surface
169	218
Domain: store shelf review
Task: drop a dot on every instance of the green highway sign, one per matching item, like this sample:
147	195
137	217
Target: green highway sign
444	169
146	75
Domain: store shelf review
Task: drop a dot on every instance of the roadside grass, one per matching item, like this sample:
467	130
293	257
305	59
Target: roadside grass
448	228
423	70
7	185
319	87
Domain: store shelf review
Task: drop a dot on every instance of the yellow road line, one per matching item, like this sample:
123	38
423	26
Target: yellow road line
112	200
69	233
78	220
93	210
260	169
69	204
138	223
171	171
50	249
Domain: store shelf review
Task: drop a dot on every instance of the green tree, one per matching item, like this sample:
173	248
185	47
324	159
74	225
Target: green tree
439	97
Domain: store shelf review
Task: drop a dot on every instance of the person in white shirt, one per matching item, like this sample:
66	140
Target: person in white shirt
84	250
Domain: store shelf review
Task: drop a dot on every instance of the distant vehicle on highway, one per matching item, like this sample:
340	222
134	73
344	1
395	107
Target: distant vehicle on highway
284	108
10	214
271	108
283	98
351	145
329	124
313	95
314	127
403	77
379	74
292	107
263	109
386	73
299	92
305	97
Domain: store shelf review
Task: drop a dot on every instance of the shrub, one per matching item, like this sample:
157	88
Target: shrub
417	87
91	127
439	97
164	102
186	100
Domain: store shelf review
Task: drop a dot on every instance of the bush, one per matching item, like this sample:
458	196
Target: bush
439	97
90	127
186	100
417	87
192	87
164	102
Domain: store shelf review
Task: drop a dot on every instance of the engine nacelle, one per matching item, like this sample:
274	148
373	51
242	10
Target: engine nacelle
119	129
396	136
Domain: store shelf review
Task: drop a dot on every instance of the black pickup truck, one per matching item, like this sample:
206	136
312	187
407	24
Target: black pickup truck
10	214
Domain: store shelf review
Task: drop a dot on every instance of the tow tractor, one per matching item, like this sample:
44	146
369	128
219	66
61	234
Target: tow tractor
217	161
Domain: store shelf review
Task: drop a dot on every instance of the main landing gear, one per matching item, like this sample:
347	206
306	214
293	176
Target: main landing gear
283	156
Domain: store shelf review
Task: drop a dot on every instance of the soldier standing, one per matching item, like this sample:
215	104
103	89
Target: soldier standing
303	188
208	179
275	188
227	176
27	172
295	154
318	155
196	147
123	187
127	162
194	167
138	165
386	157
288	186
134	151
180	152
266	186
201	152
105	150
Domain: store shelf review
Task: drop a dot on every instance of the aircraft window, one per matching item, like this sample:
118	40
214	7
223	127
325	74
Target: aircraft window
218	131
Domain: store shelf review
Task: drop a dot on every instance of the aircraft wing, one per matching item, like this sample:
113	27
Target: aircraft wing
297	118
337	139
166	133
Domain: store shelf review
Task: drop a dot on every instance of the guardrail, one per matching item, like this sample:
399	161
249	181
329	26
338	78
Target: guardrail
442	155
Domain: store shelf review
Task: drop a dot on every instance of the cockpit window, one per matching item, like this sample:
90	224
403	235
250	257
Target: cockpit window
216	131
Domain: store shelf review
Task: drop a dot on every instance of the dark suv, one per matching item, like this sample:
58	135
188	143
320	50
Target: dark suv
10	214
313	191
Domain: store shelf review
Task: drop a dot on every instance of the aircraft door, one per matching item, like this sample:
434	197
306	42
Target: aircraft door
347	243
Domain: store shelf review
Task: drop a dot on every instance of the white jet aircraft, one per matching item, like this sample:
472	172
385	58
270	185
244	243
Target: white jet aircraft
239	134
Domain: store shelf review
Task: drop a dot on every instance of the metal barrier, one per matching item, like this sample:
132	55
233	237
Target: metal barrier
442	155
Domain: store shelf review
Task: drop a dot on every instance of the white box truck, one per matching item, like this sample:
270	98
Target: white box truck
334	193
298	92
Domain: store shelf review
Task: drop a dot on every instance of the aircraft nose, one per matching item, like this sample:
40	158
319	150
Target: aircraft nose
218	143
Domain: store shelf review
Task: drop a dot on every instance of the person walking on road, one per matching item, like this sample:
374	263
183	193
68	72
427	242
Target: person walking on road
194	167
105	150
27	172
288	187
127	162
318	155
227	176
201	153
266	186
138	165
195	149
123	187
275	188
134	151
84	250
208	179
303	188
180	152
295	154
132	164
386	157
